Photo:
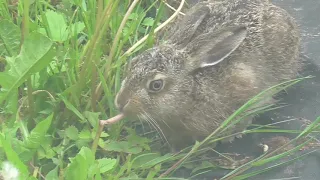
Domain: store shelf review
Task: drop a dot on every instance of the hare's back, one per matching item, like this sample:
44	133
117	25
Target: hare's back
273	39
268	55
281	42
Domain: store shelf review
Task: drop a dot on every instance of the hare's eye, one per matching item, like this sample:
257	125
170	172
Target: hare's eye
156	85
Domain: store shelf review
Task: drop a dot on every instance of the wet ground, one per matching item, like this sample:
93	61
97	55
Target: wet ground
303	99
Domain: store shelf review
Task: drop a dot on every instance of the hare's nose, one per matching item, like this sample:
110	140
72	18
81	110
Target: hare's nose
121	107
121	101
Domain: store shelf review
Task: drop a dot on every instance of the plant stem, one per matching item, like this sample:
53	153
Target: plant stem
174	15
114	46
24	35
87	55
100	129
96	139
30	97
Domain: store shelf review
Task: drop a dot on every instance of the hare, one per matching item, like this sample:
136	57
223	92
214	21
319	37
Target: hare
218	56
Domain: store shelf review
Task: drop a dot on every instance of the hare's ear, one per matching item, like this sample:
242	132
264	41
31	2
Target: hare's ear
186	28
212	48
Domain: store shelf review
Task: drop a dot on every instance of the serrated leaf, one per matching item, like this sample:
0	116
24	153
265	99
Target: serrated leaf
35	55
148	21
10	36
85	134
133	16
72	133
37	135
106	164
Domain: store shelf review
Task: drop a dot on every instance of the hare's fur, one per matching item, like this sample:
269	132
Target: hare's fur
204	81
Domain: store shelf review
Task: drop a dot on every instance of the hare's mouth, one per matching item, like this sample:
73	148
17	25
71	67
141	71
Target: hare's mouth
129	107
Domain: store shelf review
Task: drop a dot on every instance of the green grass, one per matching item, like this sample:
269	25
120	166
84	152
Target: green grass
61	64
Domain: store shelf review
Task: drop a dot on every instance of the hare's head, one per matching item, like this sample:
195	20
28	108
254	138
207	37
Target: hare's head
160	82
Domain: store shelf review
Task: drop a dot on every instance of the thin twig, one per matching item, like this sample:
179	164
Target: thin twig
112	120
172	8
132	48
119	32
49	94
115	43
38	172
100	129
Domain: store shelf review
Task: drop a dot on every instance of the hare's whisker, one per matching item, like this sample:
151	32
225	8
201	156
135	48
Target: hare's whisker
157	125
144	117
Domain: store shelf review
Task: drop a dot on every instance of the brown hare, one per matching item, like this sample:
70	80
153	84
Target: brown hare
218	56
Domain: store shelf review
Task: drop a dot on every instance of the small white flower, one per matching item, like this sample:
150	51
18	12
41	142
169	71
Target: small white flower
265	148
9	172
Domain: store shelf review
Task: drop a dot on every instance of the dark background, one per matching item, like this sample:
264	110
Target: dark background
303	100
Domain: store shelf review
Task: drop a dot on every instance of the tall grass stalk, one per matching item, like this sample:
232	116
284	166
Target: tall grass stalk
98	89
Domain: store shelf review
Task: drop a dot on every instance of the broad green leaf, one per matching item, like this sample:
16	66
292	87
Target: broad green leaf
79	166
57	26
88	155
106	164
10	36
58	29
53	174
72	133
37	135
77	169
12	156
76	28
93	170
12	103
35	55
